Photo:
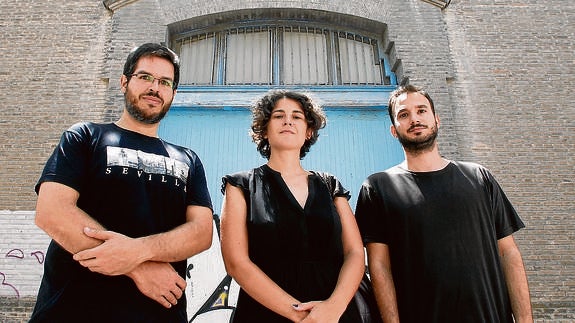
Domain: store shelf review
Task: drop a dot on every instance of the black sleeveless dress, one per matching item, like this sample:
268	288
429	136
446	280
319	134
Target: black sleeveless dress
298	248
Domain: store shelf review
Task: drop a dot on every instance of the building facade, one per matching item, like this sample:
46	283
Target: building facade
497	71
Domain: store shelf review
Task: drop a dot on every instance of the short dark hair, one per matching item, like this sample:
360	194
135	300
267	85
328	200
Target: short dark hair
406	89
156	50
261	114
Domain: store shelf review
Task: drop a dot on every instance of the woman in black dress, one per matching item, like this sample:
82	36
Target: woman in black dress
288	235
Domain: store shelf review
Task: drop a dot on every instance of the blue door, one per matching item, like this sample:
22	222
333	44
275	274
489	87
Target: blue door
355	143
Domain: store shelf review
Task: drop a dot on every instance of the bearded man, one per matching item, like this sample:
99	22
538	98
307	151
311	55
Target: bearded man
124	209
438	232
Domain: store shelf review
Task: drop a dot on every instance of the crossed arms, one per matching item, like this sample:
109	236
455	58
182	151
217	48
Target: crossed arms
145	260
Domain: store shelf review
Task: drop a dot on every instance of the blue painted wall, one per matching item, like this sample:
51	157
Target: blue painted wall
355	143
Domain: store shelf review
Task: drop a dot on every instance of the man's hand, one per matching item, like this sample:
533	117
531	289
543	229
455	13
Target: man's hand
117	255
159	281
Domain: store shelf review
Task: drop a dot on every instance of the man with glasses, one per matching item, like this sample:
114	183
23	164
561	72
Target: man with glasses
124	209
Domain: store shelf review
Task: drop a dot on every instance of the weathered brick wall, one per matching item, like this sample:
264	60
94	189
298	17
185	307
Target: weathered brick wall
51	72
514	63
497	70
16	310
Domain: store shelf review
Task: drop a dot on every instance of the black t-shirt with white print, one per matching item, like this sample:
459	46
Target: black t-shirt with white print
132	184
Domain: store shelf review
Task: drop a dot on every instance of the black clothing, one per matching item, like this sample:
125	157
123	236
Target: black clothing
298	248
132	184
441	228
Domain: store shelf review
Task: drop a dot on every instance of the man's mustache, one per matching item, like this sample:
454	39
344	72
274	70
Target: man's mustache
419	125
153	93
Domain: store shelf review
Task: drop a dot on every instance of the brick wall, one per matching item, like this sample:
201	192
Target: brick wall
498	71
16	310
51	71
513	61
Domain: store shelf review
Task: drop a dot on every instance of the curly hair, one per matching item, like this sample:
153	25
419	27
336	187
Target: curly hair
261	114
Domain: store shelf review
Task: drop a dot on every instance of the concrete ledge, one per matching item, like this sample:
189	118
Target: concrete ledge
244	96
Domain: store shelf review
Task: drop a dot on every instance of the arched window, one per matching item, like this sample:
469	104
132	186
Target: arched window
226	66
282	55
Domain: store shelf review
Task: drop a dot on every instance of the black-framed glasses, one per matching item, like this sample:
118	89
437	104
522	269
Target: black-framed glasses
147	78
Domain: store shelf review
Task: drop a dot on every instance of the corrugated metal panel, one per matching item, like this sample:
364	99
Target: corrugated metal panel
355	143
219	137
286	55
358	62
305	58
248	57
197	55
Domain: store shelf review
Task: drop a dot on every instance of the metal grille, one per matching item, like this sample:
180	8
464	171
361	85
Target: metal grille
248	56
359	64
197	55
280	55
304	56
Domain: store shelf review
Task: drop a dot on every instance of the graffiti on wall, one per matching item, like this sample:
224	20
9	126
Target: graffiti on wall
215	307
18	254
218	301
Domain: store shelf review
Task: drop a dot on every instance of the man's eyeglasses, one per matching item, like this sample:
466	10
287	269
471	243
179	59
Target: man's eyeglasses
145	77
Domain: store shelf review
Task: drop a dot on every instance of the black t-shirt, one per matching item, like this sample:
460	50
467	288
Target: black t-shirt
132	184
442	229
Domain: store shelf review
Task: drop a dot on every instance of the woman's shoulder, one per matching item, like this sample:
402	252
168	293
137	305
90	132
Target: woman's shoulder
238	179
241	178
323	175
333	184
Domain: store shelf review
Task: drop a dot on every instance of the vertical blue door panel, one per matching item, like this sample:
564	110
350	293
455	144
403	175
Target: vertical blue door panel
355	143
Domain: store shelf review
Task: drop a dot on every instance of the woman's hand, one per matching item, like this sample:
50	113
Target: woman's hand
319	311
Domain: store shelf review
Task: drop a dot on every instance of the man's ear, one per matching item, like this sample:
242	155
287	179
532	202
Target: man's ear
393	131
124	83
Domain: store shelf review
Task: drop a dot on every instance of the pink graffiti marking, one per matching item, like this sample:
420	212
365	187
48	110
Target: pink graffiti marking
39	256
15	253
4	283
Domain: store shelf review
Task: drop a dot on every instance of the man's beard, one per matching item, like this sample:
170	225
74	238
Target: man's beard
419	144
139	114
